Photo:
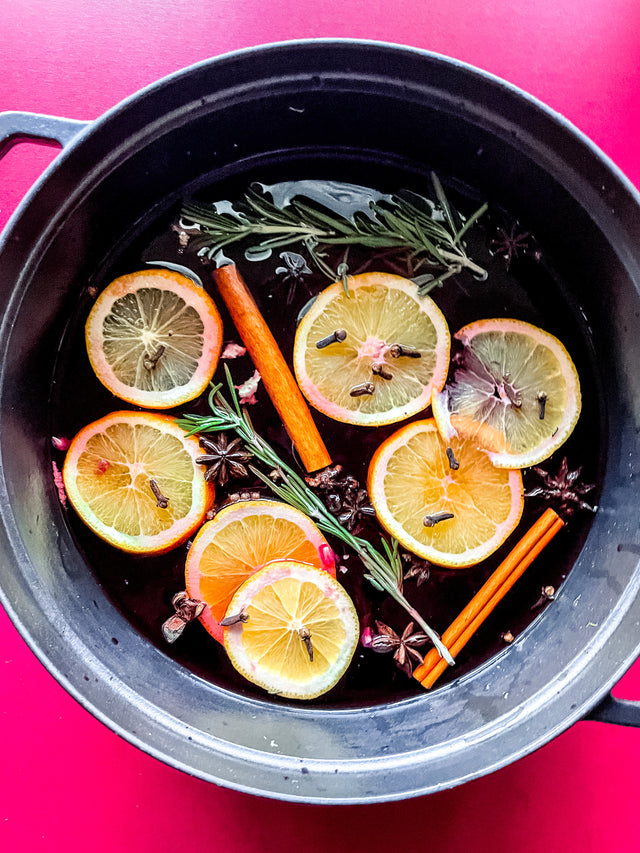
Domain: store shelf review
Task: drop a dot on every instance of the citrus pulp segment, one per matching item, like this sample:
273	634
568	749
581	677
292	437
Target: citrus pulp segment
454	508
300	633
390	350
133	479
239	540
153	338
516	392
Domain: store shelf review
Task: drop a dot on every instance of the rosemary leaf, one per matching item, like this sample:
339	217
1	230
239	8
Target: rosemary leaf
269	212
427	232
333	223
470	222
427	282
374	583
443	201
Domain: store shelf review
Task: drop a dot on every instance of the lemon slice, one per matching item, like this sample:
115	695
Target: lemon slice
516	393
390	350
300	633
154	338
133	479
444	501
239	540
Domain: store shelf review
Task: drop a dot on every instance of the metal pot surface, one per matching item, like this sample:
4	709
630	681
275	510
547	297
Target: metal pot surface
306	102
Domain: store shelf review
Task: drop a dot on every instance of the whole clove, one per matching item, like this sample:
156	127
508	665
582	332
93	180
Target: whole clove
398	351
161	501
360	390
150	361
436	518
378	368
234	619
305	636
453	462
336	337
542	404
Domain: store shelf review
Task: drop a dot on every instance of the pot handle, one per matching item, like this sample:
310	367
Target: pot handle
620	712
32	127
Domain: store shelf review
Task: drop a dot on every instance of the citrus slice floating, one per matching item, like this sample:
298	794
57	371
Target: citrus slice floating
443	501
516	393
133	479
239	540
374	356
300	633
154	338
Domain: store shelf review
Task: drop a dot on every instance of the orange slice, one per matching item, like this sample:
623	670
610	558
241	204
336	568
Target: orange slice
239	540
154	338
392	350
300	633
516	393
119	471
413	482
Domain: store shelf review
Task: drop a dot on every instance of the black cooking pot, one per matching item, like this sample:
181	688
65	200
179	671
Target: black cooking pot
312	103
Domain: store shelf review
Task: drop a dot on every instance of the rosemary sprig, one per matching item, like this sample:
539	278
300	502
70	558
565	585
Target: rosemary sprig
428	232
383	570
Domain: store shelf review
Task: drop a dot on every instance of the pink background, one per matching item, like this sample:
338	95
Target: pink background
69	783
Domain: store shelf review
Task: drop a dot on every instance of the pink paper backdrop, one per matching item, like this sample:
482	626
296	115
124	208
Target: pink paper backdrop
69	783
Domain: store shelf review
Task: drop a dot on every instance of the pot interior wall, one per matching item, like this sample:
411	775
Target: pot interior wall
345	113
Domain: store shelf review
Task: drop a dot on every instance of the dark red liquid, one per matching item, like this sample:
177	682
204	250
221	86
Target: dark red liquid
142	587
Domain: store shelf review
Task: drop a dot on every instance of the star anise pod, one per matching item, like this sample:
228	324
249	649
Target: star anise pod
563	489
223	459
416	567
356	508
343	496
326	479
404	647
509	244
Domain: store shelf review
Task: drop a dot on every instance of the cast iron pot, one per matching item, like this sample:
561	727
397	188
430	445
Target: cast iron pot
347	102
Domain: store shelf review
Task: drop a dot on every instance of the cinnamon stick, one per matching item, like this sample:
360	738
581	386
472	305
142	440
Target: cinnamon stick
276	376
486	599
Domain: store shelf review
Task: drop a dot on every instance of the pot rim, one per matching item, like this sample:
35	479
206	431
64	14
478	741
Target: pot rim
590	673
